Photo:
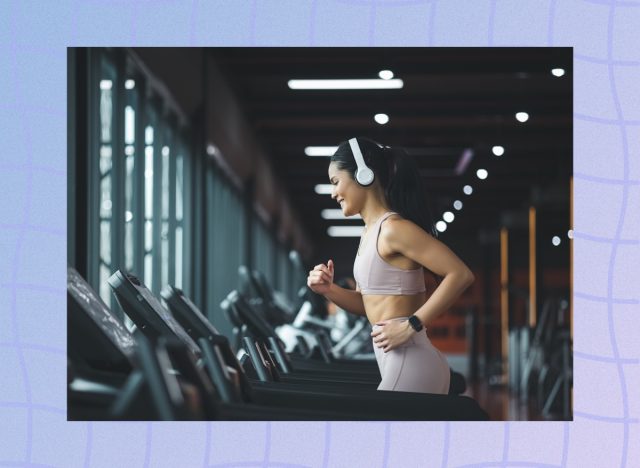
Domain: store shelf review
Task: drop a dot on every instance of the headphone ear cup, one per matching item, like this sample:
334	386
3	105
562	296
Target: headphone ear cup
365	176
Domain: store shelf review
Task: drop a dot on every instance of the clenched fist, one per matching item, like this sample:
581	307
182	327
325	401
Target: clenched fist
321	277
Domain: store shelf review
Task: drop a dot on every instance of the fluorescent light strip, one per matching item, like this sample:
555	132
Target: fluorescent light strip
324	189
395	83
463	162
345	231
320	150
337	214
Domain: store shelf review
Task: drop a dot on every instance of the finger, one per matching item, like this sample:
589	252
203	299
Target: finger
316	280
322	278
318	267
330	265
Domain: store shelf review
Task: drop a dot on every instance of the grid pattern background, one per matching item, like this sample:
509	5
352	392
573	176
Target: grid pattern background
33	38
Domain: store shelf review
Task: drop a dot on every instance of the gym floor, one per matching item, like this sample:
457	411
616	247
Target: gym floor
503	405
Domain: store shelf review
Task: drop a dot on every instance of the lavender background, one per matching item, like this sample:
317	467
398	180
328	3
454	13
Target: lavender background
33	38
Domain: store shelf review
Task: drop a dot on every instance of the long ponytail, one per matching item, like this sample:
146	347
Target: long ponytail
398	175
405	190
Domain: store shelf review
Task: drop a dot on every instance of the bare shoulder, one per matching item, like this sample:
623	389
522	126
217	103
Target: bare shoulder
397	229
404	237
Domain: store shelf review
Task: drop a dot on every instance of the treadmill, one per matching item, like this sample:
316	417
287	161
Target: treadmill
168	351
371	403
102	352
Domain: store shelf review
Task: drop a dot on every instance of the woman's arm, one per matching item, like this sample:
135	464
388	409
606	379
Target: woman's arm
346	299
408	239
320	281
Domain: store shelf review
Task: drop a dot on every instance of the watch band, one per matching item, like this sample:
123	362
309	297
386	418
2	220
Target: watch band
415	323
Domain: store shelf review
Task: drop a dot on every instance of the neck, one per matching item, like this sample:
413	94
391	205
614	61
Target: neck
372	211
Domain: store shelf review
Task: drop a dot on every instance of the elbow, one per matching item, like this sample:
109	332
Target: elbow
469	278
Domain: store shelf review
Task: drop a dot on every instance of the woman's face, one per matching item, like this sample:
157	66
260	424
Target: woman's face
346	191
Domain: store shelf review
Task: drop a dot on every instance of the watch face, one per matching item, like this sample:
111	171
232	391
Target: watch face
415	323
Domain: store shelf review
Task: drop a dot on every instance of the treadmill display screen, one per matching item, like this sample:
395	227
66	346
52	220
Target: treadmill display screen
198	314
145	295
95	308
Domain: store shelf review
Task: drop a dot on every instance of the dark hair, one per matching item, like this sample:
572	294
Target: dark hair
398	175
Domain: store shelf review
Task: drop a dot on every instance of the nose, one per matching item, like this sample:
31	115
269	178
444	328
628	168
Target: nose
334	193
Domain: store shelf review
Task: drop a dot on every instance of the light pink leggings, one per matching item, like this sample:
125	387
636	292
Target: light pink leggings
416	366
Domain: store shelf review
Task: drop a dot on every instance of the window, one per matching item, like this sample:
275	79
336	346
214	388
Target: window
130	156
137	168
179	218
105	145
146	189
148	199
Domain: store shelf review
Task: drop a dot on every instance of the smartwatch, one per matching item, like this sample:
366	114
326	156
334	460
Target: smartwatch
415	323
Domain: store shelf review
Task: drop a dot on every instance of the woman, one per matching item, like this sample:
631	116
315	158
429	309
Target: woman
383	185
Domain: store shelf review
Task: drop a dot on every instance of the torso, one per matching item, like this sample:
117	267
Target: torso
387	307
384	307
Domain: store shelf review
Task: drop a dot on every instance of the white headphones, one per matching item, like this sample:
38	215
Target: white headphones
364	175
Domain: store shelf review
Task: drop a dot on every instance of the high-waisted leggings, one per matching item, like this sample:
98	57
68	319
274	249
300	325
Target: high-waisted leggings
415	366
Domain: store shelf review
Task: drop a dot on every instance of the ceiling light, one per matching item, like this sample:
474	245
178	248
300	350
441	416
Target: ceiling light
441	226
320	150
498	150
165	151
346	84
482	174
381	118
324	189
555	241
128	216
522	116
570	233
337	214
129	84
467	189
448	216
345	231
105	84
385	74
457	205
557	72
